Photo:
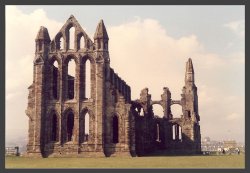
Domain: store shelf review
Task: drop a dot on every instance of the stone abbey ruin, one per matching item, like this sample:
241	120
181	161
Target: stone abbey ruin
58	104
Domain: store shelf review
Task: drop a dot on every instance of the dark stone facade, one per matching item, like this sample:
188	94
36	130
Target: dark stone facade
58	104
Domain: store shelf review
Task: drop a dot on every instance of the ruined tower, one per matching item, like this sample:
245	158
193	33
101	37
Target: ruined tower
189	101
87	111
58	104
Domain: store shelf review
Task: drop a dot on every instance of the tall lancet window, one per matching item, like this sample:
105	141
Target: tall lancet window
55	83
87	79
71	79
82	42
115	130
70	126
72	38
86	127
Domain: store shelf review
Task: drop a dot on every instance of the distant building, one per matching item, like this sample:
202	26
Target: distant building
210	145
229	144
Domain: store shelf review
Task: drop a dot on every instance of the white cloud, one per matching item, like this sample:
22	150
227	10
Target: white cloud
144	55
21	31
238	27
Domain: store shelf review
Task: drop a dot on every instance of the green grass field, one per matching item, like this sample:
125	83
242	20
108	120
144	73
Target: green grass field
223	161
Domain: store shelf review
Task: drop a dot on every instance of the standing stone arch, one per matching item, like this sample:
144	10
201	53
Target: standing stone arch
68	125
81	41
70	82
176	109
60	41
86	126
68	35
53	126
54	70
87	77
158	110
115	128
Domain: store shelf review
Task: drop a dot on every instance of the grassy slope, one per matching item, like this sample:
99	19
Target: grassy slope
228	161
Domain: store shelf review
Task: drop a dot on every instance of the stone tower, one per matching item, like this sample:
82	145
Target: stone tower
189	101
87	111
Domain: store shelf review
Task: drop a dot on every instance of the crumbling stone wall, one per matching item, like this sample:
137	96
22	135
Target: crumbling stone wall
169	134
58	103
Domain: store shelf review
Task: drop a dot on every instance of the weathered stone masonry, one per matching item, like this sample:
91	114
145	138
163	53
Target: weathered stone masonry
58	104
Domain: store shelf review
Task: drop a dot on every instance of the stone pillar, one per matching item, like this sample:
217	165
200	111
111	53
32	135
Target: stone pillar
77	98
38	83
63	82
99	106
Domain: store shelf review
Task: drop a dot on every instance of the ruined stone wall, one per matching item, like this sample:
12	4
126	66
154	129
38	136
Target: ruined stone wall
58	104
55	97
117	105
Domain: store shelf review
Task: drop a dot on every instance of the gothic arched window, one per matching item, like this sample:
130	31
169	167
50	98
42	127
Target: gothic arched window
70	126
115	130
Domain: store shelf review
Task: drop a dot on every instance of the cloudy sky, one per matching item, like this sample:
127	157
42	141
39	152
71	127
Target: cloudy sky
148	47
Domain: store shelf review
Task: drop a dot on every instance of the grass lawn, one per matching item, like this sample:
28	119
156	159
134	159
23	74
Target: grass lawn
223	161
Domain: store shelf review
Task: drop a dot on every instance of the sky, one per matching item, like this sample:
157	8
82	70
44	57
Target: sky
148	46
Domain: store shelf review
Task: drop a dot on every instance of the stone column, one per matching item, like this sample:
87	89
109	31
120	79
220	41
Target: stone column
38	83
99	107
77	98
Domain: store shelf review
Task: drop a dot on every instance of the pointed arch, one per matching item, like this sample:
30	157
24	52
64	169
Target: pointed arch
82	42
72	38
54	77
53	126
70	63
60	41
85	126
87	76
69	124
65	130
115	125
70	33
